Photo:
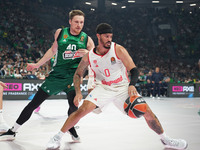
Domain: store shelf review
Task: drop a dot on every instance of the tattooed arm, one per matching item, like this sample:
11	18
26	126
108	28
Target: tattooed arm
82	67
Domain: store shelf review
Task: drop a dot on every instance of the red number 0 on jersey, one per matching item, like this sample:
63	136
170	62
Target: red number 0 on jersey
107	72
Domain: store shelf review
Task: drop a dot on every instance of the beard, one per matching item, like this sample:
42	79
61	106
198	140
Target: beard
107	47
105	43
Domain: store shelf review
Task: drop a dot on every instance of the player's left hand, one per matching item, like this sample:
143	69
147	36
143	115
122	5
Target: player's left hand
132	91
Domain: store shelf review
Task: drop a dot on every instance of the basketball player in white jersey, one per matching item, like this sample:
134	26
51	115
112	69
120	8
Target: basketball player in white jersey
109	62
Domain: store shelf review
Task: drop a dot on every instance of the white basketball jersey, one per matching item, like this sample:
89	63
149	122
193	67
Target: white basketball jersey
108	69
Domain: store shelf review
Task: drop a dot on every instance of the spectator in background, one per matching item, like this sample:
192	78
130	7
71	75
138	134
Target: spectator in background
164	85
149	85
17	75
3	71
157	78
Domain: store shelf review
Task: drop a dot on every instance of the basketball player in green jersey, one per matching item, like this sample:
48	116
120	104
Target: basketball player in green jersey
69	46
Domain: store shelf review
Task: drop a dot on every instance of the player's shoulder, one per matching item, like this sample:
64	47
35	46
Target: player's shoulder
119	48
58	30
57	33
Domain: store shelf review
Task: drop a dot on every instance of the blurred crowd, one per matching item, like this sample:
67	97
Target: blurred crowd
167	38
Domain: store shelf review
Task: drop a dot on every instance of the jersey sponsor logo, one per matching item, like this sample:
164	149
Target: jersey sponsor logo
68	55
113	81
113	61
71	55
76	55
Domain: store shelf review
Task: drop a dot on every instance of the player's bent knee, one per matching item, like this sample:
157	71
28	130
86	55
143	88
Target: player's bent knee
86	107
148	114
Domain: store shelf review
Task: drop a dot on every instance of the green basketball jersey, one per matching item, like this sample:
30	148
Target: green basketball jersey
67	57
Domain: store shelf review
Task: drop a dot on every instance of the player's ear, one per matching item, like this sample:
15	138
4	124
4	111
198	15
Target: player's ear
70	21
98	35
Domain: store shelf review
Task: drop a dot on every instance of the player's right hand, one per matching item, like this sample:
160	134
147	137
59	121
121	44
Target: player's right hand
77	99
31	66
132	91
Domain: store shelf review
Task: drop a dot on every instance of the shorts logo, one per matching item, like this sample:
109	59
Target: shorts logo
95	99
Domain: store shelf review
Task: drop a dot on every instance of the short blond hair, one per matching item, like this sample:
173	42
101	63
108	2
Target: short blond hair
75	13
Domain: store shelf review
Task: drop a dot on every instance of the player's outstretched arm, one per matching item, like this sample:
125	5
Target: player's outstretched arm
82	67
47	56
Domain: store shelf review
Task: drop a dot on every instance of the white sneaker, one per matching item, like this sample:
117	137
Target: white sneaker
4	127
158	97
53	143
175	143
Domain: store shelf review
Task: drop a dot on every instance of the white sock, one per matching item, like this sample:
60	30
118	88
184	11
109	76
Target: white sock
15	127
163	136
1	116
59	135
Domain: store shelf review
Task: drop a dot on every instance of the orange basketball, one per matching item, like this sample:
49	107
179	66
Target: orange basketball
135	106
